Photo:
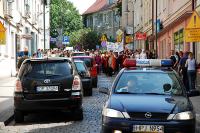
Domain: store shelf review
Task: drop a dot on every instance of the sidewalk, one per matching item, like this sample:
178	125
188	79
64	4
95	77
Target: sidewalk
6	99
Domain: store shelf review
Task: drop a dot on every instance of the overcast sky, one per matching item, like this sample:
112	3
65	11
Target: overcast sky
82	5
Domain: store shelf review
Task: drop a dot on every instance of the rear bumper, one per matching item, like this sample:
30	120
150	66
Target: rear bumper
126	126
22	104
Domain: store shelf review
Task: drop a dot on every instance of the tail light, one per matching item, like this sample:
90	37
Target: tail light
18	86
76	84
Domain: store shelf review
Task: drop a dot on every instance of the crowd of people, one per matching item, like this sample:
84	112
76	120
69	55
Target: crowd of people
110	62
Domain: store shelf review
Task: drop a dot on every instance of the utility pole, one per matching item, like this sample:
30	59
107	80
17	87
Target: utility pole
152	23
44	4
156	27
133	26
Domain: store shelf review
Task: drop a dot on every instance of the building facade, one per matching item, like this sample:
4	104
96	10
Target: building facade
172	19
23	20
103	17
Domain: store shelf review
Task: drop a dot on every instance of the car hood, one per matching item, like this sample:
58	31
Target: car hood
150	103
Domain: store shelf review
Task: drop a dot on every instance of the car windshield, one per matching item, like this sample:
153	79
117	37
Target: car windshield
80	67
87	61
149	83
47	69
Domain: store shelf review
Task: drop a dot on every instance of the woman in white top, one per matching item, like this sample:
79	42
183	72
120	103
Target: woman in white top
191	71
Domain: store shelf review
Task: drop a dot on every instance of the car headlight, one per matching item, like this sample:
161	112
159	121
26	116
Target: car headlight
184	116
112	113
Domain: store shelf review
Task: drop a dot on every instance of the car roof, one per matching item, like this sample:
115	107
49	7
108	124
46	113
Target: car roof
82	57
48	59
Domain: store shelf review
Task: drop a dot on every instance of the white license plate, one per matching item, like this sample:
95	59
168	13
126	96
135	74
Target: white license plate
47	88
148	129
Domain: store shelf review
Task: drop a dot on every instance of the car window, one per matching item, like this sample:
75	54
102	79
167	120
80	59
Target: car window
159	83
45	69
80	67
87	61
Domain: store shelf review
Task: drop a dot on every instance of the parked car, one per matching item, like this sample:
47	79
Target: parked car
91	64
85	77
78	54
47	84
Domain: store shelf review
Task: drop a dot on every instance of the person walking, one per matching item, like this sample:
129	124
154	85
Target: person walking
191	71
182	70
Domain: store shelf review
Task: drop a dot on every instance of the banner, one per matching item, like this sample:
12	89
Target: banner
115	47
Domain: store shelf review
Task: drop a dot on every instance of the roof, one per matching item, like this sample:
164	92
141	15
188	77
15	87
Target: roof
97	6
82	57
48	59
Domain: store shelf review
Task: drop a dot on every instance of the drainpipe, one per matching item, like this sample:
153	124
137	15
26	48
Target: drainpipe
193	44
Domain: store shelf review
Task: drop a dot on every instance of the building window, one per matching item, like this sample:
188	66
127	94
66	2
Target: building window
179	40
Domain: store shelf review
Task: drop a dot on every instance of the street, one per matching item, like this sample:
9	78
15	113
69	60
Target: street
62	122
57	122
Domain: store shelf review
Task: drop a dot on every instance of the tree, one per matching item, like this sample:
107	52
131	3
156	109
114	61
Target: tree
85	38
64	16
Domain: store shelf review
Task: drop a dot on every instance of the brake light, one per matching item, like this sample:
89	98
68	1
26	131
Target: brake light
76	83
18	86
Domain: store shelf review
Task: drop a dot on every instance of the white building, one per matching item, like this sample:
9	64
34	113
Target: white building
23	20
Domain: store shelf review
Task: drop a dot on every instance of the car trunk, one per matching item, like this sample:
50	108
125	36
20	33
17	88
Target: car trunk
38	83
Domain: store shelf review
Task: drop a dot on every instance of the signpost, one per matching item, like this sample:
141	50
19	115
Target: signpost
2	34
65	40
192	31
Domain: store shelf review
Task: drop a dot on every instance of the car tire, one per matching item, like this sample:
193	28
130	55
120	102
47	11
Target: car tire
78	114
95	83
90	92
19	116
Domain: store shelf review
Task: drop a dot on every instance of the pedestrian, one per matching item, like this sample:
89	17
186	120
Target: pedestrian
182	70
143	54
22	59
98	62
191	71
174	59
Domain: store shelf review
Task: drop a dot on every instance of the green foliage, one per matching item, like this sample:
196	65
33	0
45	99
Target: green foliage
64	14
86	38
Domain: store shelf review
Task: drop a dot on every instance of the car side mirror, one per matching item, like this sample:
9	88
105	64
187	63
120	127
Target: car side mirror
81	73
193	93
167	87
104	90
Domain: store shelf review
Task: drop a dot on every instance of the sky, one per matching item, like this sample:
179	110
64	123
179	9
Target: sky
82	5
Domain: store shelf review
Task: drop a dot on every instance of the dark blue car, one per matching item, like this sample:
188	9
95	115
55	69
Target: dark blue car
148	100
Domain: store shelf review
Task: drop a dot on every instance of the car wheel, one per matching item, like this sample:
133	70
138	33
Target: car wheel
78	114
95	83
90	92
19	116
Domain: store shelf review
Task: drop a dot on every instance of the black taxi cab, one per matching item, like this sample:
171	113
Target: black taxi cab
148	96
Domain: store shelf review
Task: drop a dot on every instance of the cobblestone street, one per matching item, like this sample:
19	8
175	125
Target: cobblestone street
62	123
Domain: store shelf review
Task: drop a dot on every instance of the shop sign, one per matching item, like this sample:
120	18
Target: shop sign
2	34
141	36
26	36
192	31
129	39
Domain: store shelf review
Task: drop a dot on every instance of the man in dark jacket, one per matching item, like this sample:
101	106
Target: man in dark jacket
22	59
183	70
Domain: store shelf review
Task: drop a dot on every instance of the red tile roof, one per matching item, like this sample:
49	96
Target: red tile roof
97	6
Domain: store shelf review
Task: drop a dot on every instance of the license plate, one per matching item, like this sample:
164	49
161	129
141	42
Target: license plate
47	88
148	129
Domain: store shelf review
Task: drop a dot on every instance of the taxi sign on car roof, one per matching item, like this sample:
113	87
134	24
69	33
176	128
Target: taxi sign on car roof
148	63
